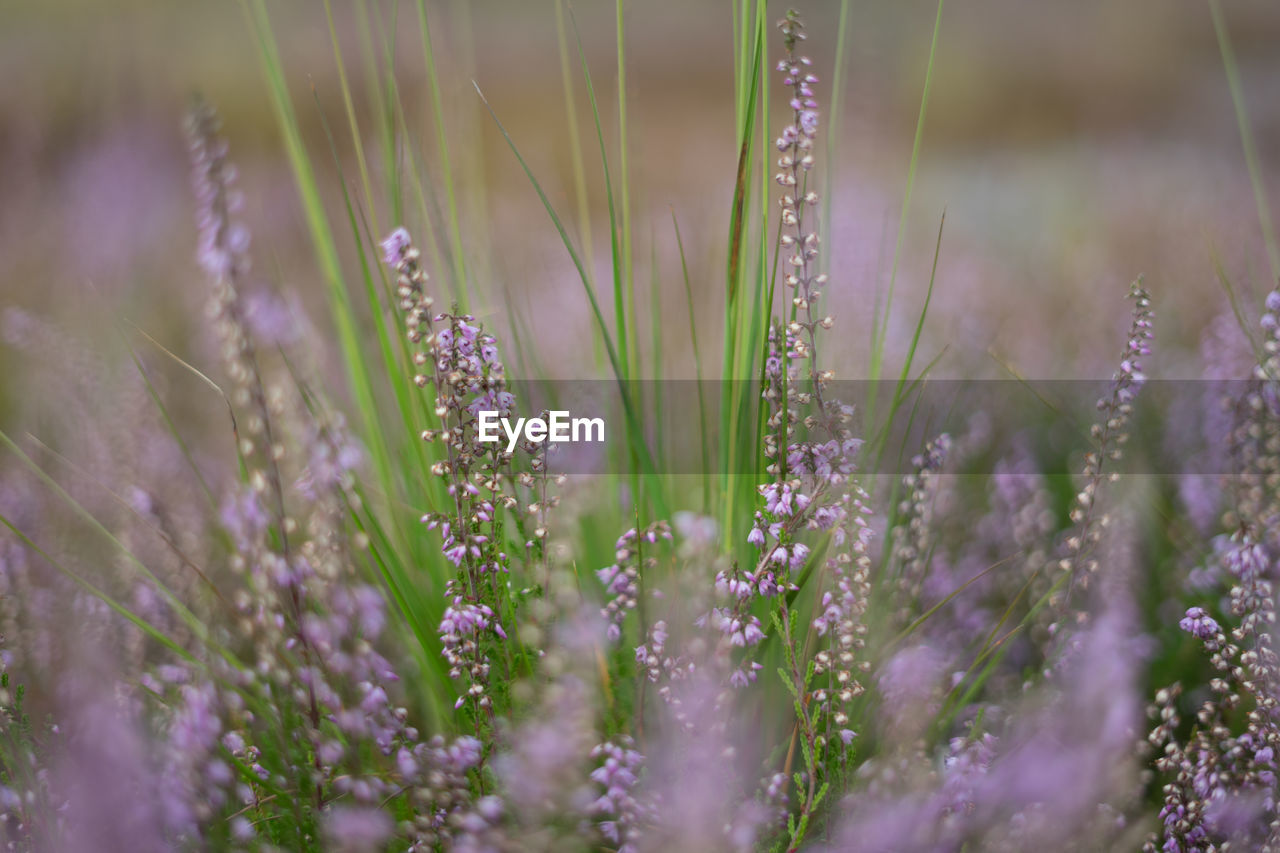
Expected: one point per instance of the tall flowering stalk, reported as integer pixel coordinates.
(461, 363)
(309, 626)
(799, 239)
(840, 623)
(810, 453)
(277, 575)
(1222, 782)
(223, 254)
(912, 534)
(622, 579)
(620, 766)
(1078, 562)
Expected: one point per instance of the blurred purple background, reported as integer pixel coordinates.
(1073, 146)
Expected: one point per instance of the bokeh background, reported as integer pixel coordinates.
(1072, 146)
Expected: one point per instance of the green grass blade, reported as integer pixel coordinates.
(738, 414)
(881, 324)
(192, 622)
(349, 106)
(1237, 308)
(838, 69)
(896, 401)
(703, 432)
(359, 376)
(575, 141)
(635, 435)
(128, 507)
(1246, 138)
(382, 97)
(395, 364)
(624, 201)
(170, 425)
(619, 300)
(446, 166)
(101, 594)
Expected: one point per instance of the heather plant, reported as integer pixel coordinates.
(25, 792)
(1221, 776)
(352, 622)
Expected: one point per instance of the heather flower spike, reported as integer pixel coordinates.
(621, 580)
(810, 461)
(1109, 434)
(1221, 781)
(460, 362)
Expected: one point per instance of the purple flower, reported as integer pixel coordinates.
(799, 553)
(456, 553)
(809, 122)
(1248, 561)
(1200, 624)
(393, 247)
(358, 829)
(223, 246)
(617, 775)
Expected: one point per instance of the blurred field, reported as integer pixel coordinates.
(1072, 147)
